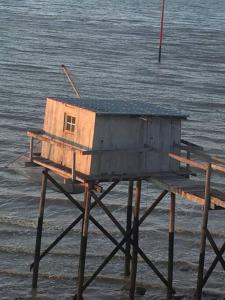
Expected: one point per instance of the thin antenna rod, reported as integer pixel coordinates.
(66, 71)
(161, 30)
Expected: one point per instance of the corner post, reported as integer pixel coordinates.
(135, 239)
(128, 227)
(83, 244)
(39, 229)
(171, 245)
(203, 233)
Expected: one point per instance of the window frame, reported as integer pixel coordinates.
(69, 125)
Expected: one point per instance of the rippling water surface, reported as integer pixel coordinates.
(111, 48)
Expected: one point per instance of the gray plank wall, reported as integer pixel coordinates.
(125, 132)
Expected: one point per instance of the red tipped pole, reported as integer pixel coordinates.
(161, 30)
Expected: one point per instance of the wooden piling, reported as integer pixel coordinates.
(171, 246)
(135, 239)
(128, 227)
(39, 230)
(83, 244)
(203, 234)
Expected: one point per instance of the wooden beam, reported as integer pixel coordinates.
(218, 168)
(53, 140)
(189, 161)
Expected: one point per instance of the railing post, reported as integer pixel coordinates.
(188, 166)
(203, 233)
(31, 148)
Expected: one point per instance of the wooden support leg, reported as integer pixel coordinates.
(203, 235)
(127, 236)
(171, 246)
(135, 239)
(83, 245)
(39, 230)
(128, 228)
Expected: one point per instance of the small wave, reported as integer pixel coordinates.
(15, 250)
(18, 222)
(215, 232)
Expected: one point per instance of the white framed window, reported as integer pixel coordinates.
(69, 123)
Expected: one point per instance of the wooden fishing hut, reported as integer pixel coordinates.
(102, 139)
(93, 141)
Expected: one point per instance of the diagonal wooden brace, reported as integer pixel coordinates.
(126, 237)
(213, 265)
(75, 222)
(215, 248)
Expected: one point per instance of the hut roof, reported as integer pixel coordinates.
(121, 107)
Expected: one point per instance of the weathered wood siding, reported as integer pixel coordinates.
(83, 136)
(112, 132)
(162, 134)
(116, 132)
(125, 132)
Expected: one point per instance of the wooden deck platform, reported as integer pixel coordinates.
(67, 173)
(188, 188)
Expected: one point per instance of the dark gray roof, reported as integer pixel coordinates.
(121, 107)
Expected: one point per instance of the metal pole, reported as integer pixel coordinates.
(203, 234)
(135, 239)
(171, 246)
(83, 244)
(161, 30)
(39, 229)
(128, 228)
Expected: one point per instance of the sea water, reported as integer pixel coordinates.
(111, 48)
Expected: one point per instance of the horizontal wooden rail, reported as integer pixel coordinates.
(218, 159)
(42, 136)
(218, 168)
(199, 151)
(52, 140)
(201, 166)
(190, 162)
(129, 150)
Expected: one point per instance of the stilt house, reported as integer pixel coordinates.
(100, 139)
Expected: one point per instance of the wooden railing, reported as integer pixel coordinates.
(203, 162)
(216, 163)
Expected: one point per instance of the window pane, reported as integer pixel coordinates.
(70, 123)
